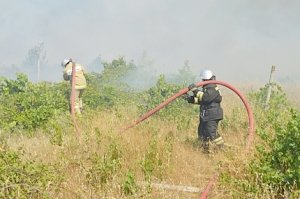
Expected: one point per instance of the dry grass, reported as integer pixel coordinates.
(185, 165)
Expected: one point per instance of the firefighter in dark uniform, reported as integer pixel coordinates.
(209, 98)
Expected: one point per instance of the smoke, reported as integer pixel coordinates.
(237, 40)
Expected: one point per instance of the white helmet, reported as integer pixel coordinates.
(66, 61)
(206, 75)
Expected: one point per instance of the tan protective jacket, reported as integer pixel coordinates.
(80, 81)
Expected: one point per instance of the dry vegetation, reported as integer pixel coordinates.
(172, 152)
(101, 161)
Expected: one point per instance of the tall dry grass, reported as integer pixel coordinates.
(176, 156)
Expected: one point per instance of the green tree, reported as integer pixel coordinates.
(115, 71)
(36, 58)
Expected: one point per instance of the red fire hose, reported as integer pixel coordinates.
(250, 137)
(73, 91)
(73, 82)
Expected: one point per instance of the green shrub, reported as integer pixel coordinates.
(151, 160)
(104, 168)
(14, 86)
(157, 94)
(106, 90)
(277, 109)
(25, 105)
(278, 163)
(25, 179)
(129, 186)
(28, 106)
(275, 171)
(157, 158)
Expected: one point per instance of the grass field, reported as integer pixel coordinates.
(155, 151)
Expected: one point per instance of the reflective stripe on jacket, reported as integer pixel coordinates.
(209, 99)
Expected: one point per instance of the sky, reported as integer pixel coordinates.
(237, 40)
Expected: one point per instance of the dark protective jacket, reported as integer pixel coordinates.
(209, 100)
(210, 104)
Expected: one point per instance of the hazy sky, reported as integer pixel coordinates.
(237, 39)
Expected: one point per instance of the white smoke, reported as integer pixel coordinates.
(238, 40)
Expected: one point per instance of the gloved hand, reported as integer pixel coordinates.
(188, 98)
(185, 96)
(192, 87)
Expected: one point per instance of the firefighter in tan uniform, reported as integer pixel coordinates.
(80, 82)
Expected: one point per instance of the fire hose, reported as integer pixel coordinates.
(250, 137)
(73, 82)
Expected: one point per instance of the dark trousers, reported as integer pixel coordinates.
(207, 131)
